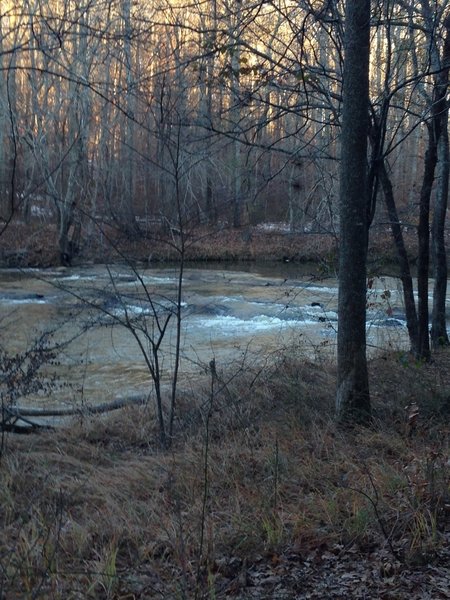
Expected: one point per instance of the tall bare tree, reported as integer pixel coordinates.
(353, 398)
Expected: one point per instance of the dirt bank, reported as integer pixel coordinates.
(35, 245)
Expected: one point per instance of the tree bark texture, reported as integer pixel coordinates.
(353, 398)
(439, 336)
(402, 257)
(423, 262)
(435, 128)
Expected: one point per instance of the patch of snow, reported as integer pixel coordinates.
(281, 227)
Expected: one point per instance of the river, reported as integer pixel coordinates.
(227, 313)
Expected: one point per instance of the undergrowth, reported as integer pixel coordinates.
(258, 469)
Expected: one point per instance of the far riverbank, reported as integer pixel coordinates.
(35, 245)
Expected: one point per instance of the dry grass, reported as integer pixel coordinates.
(98, 511)
(36, 245)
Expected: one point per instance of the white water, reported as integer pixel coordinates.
(225, 314)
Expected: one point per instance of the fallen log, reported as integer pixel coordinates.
(83, 409)
(17, 418)
(22, 425)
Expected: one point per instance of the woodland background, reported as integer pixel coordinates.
(171, 129)
(156, 114)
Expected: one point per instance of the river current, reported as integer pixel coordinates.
(231, 315)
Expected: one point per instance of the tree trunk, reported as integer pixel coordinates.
(126, 200)
(423, 263)
(439, 336)
(235, 89)
(206, 115)
(439, 114)
(3, 134)
(65, 250)
(403, 261)
(353, 398)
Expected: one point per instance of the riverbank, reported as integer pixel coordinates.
(35, 245)
(261, 495)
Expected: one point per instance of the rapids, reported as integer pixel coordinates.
(230, 314)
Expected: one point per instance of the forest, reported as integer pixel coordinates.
(218, 113)
(139, 137)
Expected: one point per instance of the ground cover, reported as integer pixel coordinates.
(260, 495)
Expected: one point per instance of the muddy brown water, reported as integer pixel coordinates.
(230, 314)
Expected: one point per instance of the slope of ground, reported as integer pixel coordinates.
(260, 496)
